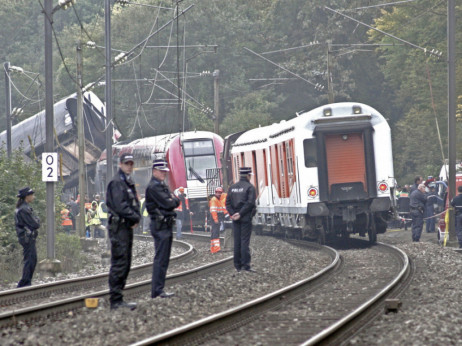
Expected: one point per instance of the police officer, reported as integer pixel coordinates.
(161, 203)
(457, 204)
(124, 216)
(27, 224)
(417, 206)
(240, 204)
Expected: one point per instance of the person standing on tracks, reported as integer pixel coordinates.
(417, 204)
(457, 204)
(217, 211)
(27, 224)
(182, 211)
(240, 204)
(124, 216)
(161, 204)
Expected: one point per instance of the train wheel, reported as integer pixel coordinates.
(372, 235)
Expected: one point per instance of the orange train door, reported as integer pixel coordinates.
(345, 158)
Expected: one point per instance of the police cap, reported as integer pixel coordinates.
(127, 157)
(160, 165)
(245, 170)
(26, 191)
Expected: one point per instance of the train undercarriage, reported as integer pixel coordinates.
(324, 229)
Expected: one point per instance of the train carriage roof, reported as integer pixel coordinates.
(309, 120)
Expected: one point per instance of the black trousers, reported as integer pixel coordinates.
(163, 238)
(121, 260)
(215, 234)
(30, 260)
(459, 228)
(417, 224)
(242, 232)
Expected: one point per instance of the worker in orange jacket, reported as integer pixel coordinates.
(217, 211)
(66, 220)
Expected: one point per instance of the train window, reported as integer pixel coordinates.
(309, 148)
(200, 147)
(196, 166)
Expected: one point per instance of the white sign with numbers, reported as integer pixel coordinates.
(50, 167)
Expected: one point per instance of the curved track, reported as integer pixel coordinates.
(319, 309)
(36, 311)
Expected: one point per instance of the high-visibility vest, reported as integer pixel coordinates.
(88, 206)
(223, 202)
(145, 211)
(180, 207)
(102, 214)
(215, 245)
(216, 207)
(66, 221)
(94, 218)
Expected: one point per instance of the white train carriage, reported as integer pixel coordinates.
(326, 172)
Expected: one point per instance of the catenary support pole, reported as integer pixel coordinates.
(6, 66)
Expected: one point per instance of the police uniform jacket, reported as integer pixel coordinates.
(158, 196)
(24, 217)
(417, 200)
(457, 203)
(121, 199)
(241, 199)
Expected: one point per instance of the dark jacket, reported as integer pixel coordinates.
(158, 196)
(417, 200)
(121, 199)
(457, 204)
(24, 217)
(241, 199)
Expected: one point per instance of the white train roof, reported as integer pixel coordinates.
(308, 120)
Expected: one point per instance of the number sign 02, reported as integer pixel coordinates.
(50, 167)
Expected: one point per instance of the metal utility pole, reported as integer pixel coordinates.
(216, 101)
(330, 88)
(49, 125)
(108, 90)
(6, 66)
(81, 141)
(179, 118)
(452, 112)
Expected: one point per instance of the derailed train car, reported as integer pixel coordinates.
(326, 173)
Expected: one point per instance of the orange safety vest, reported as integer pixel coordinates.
(66, 221)
(180, 207)
(223, 202)
(215, 245)
(88, 205)
(216, 207)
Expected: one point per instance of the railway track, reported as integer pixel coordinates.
(324, 308)
(31, 312)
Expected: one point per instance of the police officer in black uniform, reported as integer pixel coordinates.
(240, 204)
(124, 216)
(27, 224)
(457, 204)
(417, 204)
(160, 203)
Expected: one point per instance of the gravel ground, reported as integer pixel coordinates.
(430, 312)
(276, 262)
(143, 252)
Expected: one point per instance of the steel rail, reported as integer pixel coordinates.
(373, 302)
(195, 331)
(13, 296)
(49, 310)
